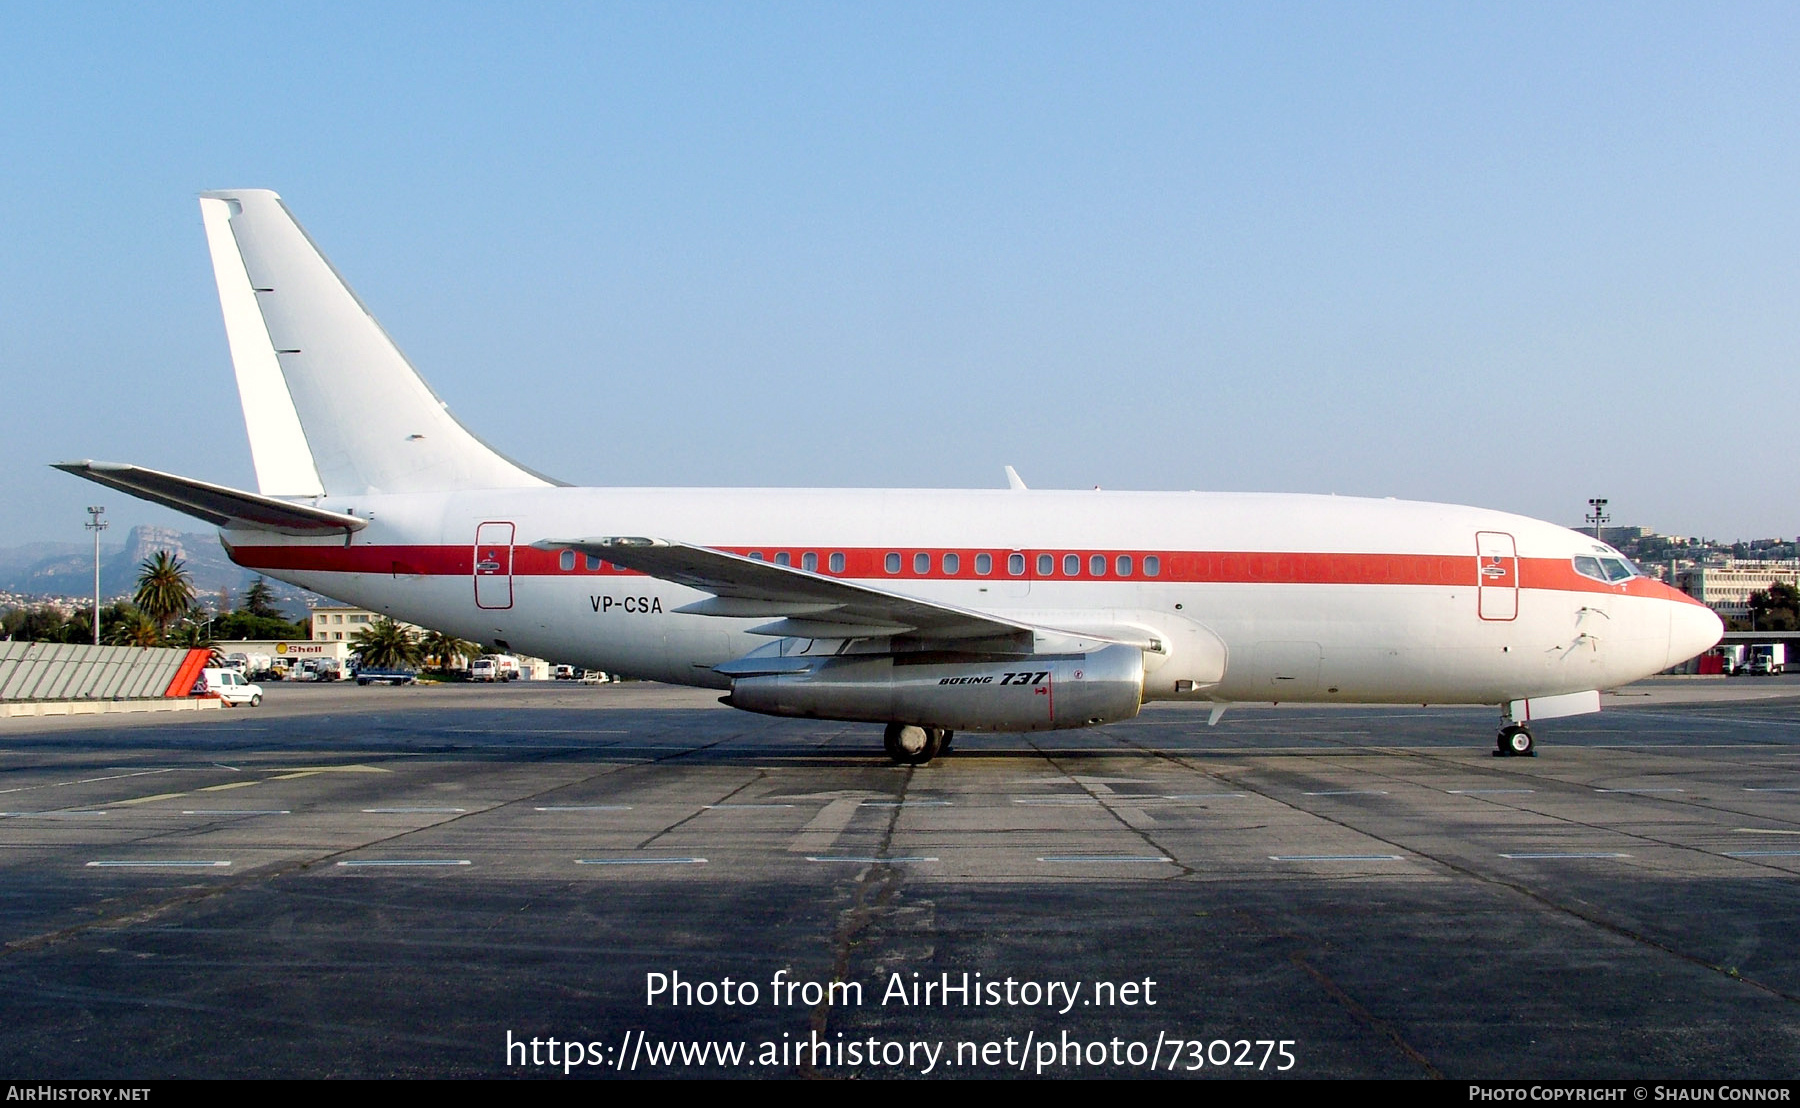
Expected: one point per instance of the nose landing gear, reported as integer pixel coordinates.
(911, 745)
(1515, 741)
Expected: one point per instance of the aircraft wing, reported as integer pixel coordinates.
(219, 505)
(808, 605)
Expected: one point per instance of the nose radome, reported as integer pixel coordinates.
(1693, 629)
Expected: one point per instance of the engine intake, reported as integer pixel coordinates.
(1042, 692)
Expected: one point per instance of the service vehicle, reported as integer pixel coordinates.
(230, 686)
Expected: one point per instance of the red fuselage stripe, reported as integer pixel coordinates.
(1186, 567)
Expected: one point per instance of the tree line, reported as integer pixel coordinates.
(164, 610)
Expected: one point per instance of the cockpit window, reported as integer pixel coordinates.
(1610, 570)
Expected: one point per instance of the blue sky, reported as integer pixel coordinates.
(1510, 255)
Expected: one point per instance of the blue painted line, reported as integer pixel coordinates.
(1081, 858)
(640, 861)
(407, 862)
(161, 865)
(1571, 854)
(1336, 858)
(871, 860)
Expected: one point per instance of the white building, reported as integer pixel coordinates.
(1725, 587)
(340, 622)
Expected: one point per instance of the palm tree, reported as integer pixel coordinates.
(447, 650)
(385, 644)
(164, 588)
(137, 629)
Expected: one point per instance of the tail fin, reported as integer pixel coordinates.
(330, 403)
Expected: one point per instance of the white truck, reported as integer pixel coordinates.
(1767, 659)
(494, 667)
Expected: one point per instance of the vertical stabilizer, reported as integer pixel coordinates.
(330, 403)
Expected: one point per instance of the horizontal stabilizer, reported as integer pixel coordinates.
(216, 504)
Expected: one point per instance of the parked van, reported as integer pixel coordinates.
(229, 686)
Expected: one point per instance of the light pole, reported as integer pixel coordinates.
(96, 525)
(1598, 516)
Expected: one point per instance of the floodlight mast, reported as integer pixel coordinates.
(96, 525)
(1598, 516)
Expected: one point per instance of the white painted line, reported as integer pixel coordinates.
(1569, 854)
(236, 812)
(393, 811)
(1640, 790)
(406, 862)
(1083, 858)
(162, 865)
(1054, 800)
(747, 805)
(1762, 854)
(906, 803)
(1336, 858)
(871, 860)
(1753, 789)
(640, 861)
(584, 808)
(1350, 792)
(1203, 796)
(1762, 831)
(1486, 792)
(55, 815)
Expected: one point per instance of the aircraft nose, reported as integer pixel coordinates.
(1693, 628)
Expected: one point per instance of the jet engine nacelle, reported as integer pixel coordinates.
(1043, 692)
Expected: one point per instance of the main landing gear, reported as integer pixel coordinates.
(1515, 741)
(911, 745)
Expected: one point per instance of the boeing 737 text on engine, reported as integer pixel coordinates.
(926, 611)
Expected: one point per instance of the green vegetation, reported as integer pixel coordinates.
(1776, 608)
(257, 617)
(385, 644)
(447, 652)
(165, 591)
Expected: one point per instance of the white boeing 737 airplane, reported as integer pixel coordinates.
(927, 611)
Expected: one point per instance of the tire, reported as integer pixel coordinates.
(256, 701)
(1516, 742)
(912, 745)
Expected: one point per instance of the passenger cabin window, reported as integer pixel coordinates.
(952, 564)
(892, 562)
(1097, 565)
(1015, 564)
(1071, 565)
(984, 564)
(809, 562)
(921, 563)
(1122, 565)
(1046, 565)
(593, 564)
(757, 555)
(837, 563)
(567, 560)
(1152, 566)
(781, 559)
